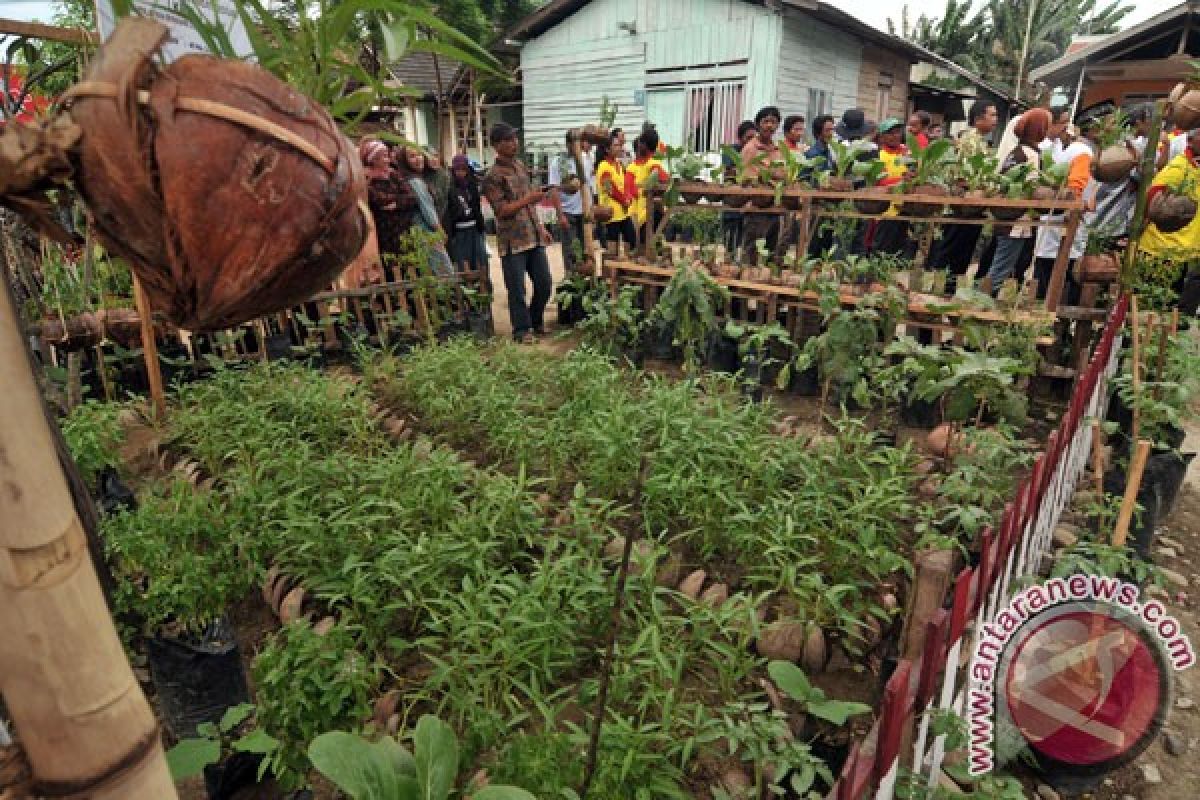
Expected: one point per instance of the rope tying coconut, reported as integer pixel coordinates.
(219, 110)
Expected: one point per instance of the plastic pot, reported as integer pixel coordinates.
(197, 677)
(722, 355)
(660, 344)
(481, 324)
(805, 383)
(278, 346)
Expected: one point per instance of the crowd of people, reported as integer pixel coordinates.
(409, 189)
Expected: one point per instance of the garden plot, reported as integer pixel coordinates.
(467, 569)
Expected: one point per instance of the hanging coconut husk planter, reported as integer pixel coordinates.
(294, 183)
(913, 209)
(1097, 268)
(1185, 104)
(1114, 163)
(1171, 212)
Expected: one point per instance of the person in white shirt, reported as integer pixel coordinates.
(564, 175)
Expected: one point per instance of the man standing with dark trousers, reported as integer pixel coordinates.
(520, 234)
(954, 251)
(571, 188)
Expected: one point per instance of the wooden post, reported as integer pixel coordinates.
(150, 350)
(81, 717)
(1098, 459)
(1132, 484)
(934, 571)
(1059, 276)
(589, 244)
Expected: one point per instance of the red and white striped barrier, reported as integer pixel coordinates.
(1012, 552)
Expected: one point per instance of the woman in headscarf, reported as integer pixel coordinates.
(410, 165)
(390, 199)
(437, 178)
(1014, 245)
(463, 219)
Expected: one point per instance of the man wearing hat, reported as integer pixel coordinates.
(854, 126)
(520, 234)
(891, 235)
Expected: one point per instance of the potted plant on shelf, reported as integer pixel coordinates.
(689, 168)
(1099, 263)
(869, 172)
(742, 172)
(977, 178)
(1052, 180)
(760, 272)
(927, 175)
(1015, 183)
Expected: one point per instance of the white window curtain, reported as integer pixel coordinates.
(714, 111)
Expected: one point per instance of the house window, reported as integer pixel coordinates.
(883, 100)
(820, 101)
(713, 113)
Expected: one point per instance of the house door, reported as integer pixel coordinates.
(666, 109)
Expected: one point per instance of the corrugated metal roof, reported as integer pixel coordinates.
(417, 71)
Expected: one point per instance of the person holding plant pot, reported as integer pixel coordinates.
(463, 220)
(610, 184)
(1182, 246)
(520, 234)
(1014, 244)
(646, 171)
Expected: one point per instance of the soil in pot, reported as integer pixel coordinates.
(197, 677)
(1171, 212)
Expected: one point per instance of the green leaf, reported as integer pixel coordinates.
(836, 711)
(234, 716)
(364, 770)
(256, 742)
(208, 730)
(189, 758)
(790, 679)
(436, 753)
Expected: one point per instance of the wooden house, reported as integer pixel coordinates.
(696, 68)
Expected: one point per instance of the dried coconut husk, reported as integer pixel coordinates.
(913, 209)
(231, 194)
(1171, 212)
(1185, 106)
(1114, 163)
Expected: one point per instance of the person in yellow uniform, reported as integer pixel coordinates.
(891, 235)
(610, 186)
(1182, 246)
(645, 170)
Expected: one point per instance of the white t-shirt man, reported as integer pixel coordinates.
(562, 167)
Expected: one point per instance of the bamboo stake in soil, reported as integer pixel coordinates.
(1133, 483)
(150, 350)
(81, 716)
(1134, 368)
(1098, 459)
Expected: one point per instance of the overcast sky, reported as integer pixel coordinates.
(875, 13)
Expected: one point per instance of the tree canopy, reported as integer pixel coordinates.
(990, 39)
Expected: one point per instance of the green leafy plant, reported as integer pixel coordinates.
(761, 737)
(189, 757)
(308, 683)
(928, 165)
(690, 304)
(792, 681)
(93, 435)
(383, 770)
(333, 51)
(614, 325)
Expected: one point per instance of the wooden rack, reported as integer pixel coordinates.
(805, 207)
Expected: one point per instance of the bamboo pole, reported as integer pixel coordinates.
(81, 717)
(1098, 459)
(1134, 370)
(1133, 483)
(1146, 170)
(150, 350)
